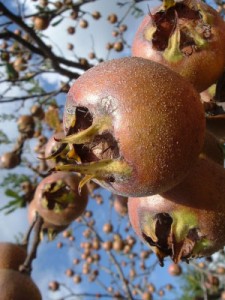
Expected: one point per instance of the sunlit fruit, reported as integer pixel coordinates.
(20, 64)
(136, 134)
(120, 204)
(10, 160)
(26, 125)
(174, 269)
(17, 286)
(112, 18)
(96, 15)
(58, 200)
(53, 286)
(11, 255)
(187, 36)
(37, 111)
(47, 227)
(41, 22)
(187, 221)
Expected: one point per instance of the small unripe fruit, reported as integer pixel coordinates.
(69, 272)
(108, 227)
(96, 15)
(26, 125)
(37, 111)
(41, 22)
(112, 18)
(53, 286)
(118, 46)
(74, 15)
(83, 23)
(146, 296)
(71, 30)
(174, 270)
(9, 160)
(20, 64)
(77, 279)
(107, 245)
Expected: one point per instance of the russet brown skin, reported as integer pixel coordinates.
(17, 286)
(46, 226)
(51, 146)
(72, 210)
(11, 256)
(157, 121)
(203, 67)
(202, 193)
(41, 22)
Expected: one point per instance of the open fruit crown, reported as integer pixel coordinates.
(187, 221)
(135, 136)
(187, 36)
(176, 235)
(177, 36)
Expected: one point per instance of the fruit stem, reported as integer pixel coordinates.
(26, 238)
(26, 267)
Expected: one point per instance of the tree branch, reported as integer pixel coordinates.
(45, 50)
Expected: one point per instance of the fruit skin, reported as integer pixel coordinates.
(158, 131)
(51, 146)
(197, 209)
(72, 210)
(26, 125)
(11, 256)
(46, 226)
(41, 22)
(120, 204)
(17, 286)
(174, 270)
(9, 160)
(204, 66)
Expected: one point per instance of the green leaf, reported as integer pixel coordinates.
(7, 117)
(11, 72)
(57, 22)
(14, 180)
(11, 193)
(3, 138)
(11, 206)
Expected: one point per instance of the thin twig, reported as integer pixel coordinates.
(26, 267)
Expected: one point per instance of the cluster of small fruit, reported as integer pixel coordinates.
(26, 129)
(42, 21)
(137, 127)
